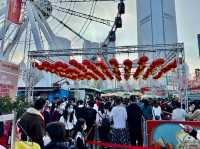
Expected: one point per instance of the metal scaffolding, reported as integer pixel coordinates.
(172, 51)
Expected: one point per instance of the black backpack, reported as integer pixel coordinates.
(105, 121)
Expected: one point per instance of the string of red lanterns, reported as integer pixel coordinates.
(104, 69)
(141, 66)
(88, 70)
(154, 65)
(93, 68)
(165, 69)
(115, 68)
(127, 69)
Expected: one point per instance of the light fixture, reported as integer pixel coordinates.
(121, 7)
(118, 22)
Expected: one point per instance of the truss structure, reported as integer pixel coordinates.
(174, 51)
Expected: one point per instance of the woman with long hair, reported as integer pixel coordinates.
(69, 119)
(79, 133)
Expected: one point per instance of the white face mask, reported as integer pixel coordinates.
(85, 127)
(70, 110)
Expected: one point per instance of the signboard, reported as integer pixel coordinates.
(8, 79)
(197, 74)
(174, 136)
(14, 10)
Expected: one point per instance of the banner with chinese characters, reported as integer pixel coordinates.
(8, 79)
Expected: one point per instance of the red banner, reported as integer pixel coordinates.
(8, 79)
(14, 10)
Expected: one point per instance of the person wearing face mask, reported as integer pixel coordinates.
(57, 112)
(69, 119)
(32, 123)
(79, 134)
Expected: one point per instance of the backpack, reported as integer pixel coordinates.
(105, 121)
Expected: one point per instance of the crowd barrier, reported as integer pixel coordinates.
(123, 146)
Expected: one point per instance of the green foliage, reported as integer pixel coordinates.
(19, 105)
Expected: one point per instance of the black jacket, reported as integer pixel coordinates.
(81, 112)
(134, 114)
(59, 145)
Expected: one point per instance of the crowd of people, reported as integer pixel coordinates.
(68, 124)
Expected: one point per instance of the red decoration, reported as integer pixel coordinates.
(105, 69)
(142, 60)
(93, 68)
(115, 68)
(78, 65)
(141, 66)
(165, 69)
(156, 63)
(127, 69)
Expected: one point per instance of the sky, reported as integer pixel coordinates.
(188, 25)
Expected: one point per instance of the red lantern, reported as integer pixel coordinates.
(127, 69)
(105, 69)
(59, 65)
(93, 68)
(35, 64)
(142, 60)
(156, 63)
(113, 61)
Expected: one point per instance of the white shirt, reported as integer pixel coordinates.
(119, 116)
(178, 114)
(157, 111)
(95, 107)
(69, 125)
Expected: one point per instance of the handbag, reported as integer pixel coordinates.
(26, 144)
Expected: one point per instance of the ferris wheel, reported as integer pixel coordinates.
(55, 24)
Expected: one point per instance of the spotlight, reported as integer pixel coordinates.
(121, 7)
(118, 22)
(112, 36)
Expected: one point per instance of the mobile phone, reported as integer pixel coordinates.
(182, 126)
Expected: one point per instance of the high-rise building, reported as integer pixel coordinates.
(156, 24)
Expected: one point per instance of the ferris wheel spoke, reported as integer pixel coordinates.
(16, 38)
(83, 15)
(34, 27)
(59, 21)
(43, 25)
(3, 11)
(69, 28)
